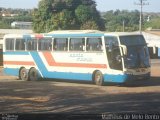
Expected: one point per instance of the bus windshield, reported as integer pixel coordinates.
(137, 51)
(132, 40)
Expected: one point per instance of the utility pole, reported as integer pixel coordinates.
(123, 25)
(141, 4)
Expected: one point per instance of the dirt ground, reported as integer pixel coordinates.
(18, 96)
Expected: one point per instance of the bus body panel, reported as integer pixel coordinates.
(59, 72)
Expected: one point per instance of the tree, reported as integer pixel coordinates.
(153, 23)
(66, 14)
(89, 25)
(114, 20)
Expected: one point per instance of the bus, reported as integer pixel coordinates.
(87, 55)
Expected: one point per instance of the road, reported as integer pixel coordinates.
(18, 96)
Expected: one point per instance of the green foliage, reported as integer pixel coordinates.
(63, 21)
(83, 13)
(22, 15)
(114, 20)
(66, 14)
(4, 25)
(89, 25)
(153, 23)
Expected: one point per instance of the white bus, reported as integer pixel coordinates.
(77, 55)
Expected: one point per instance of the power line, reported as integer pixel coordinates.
(141, 4)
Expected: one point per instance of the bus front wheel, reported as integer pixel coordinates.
(33, 74)
(98, 78)
(23, 74)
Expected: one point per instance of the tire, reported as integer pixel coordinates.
(23, 74)
(98, 78)
(33, 74)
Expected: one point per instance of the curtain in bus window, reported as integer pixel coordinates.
(20, 44)
(45, 44)
(77, 44)
(9, 44)
(94, 44)
(60, 44)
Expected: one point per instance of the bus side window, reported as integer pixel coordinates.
(9, 43)
(20, 44)
(94, 44)
(77, 44)
(32, 44)
(60, 44)
(45, 44)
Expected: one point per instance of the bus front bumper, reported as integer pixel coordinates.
(131, 77)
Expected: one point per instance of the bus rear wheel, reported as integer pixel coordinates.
(98, 78)
(33, 74)
(23, 74)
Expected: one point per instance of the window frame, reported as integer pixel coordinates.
(46, 39)
(13, 44)
(21, 39)
(83, 44)
(100, 49)
(65, 47)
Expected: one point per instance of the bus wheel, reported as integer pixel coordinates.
(33, 74)
(23, 74)
(98, 78)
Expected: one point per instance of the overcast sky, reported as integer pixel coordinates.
(102, 5)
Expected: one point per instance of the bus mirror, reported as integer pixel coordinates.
(124, 48)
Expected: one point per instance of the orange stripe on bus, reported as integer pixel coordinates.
(51, 62)
(18, 63)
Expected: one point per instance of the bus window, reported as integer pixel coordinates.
(45, 44)
(32, 44)
(60, 44)
(77, 44)
(9, 43)
(20, 44)
(94, 44)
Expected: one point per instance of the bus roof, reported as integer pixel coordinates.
(122, 33)
(75, 33)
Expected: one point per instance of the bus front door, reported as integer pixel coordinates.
(114, 58)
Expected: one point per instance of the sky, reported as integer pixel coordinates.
(102, 5)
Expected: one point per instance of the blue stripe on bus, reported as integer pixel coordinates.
(15, 53)
(11, 71)
(27, 37)
(71, 76)
(115, 78)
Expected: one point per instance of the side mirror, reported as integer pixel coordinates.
(124, 48)
(154, 50)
